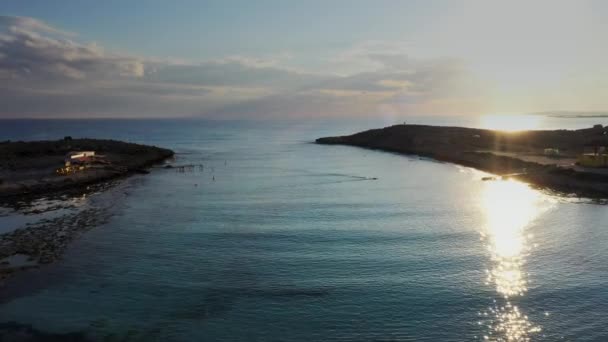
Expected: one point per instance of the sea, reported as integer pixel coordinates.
(270, 237)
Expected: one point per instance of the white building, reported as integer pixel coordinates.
(78, 157)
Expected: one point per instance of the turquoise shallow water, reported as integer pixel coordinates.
(278, 239)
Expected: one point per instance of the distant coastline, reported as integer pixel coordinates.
(577, 116)
(573, 114)
(519, 155)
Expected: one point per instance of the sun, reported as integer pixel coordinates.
(510, 122)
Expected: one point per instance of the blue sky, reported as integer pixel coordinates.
(305, 58)
(211, 29)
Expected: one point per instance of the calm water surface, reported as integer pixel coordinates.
(278, 239)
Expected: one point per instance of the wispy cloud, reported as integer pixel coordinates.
(45, 71)
(32, 24)
(27, 53)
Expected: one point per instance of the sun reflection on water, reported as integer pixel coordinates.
(508, 208)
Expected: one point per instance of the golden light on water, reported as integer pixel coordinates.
(511, 325)
(510, 122)
(508, 208)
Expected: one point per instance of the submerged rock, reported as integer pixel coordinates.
(45, 241)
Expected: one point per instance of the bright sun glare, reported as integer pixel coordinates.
(509, 207)
(510, 122)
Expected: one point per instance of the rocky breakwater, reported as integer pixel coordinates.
(518, 155)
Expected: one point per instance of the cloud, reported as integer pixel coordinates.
(45, 71)
(232, 72)
(31, 24)
(397, 84)
(29, 54)
(99, 101)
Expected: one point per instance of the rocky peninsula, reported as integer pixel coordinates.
(30, 168)
(58, 171)
(546, 159)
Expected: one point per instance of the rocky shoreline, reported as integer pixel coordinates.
(28, 168)
(485, 150)
(45, 241)
(50, 223)
(28, 177)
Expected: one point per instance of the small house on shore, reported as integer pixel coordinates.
(78, 157)
(77, 161)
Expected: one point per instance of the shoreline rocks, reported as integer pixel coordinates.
(28, 177)
(44, 241)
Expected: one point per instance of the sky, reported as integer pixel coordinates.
(287, 59)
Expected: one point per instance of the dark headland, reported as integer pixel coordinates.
(547, 159)
(28, 168)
